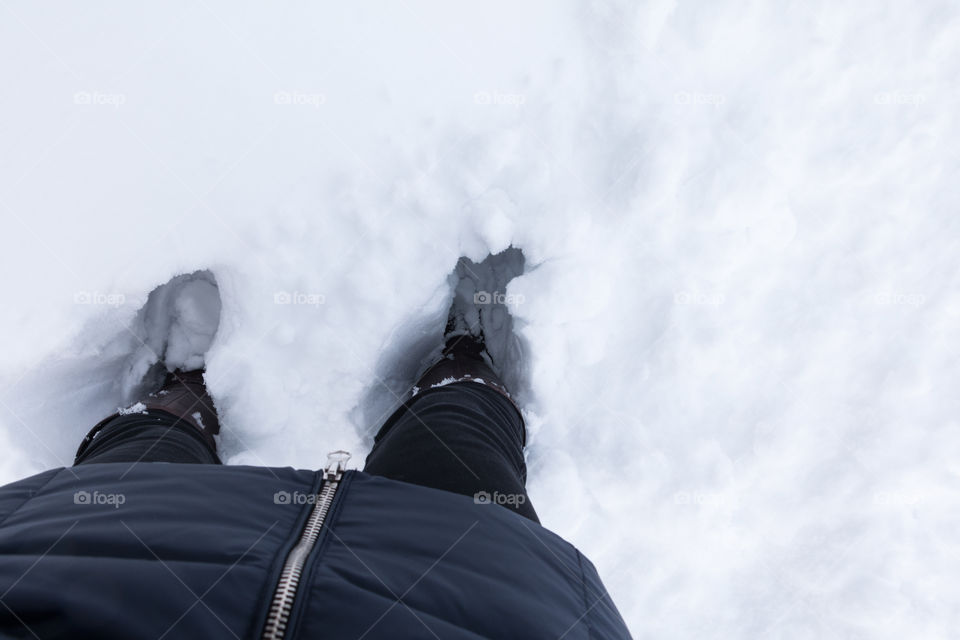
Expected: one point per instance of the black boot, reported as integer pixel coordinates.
(184, 396)
(464, 358)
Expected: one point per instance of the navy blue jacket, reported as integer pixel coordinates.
(156, 550)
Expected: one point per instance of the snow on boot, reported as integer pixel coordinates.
(184, 395)
(464, 356)
(174, 329)
(479, 311)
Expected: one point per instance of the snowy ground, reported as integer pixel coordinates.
(741, 231)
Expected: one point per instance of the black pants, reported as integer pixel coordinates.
(463, 437)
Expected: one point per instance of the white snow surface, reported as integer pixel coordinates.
(741, 296)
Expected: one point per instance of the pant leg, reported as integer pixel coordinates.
(462, 437)
(154, 436)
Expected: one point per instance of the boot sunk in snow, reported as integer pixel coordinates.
(464, 357)
(173, 332)
(184, 396)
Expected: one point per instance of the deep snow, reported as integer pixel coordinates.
(740, 297)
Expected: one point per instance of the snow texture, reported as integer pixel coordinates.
(740, 290)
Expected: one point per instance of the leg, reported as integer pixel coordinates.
(155, 436)
(458, 435)
(176, 425)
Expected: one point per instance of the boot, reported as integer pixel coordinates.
(184, 396)
(464, 358)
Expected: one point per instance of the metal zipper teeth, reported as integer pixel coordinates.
(286, 591)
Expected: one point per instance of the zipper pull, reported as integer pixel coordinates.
(336, 465)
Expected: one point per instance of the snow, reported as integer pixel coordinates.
(173, 330)
(740, 300)
(447, 381)
(137, 407)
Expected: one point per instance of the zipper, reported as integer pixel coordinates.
(286, 592)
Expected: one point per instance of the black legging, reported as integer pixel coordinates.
(462, 437)
(152, 436)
